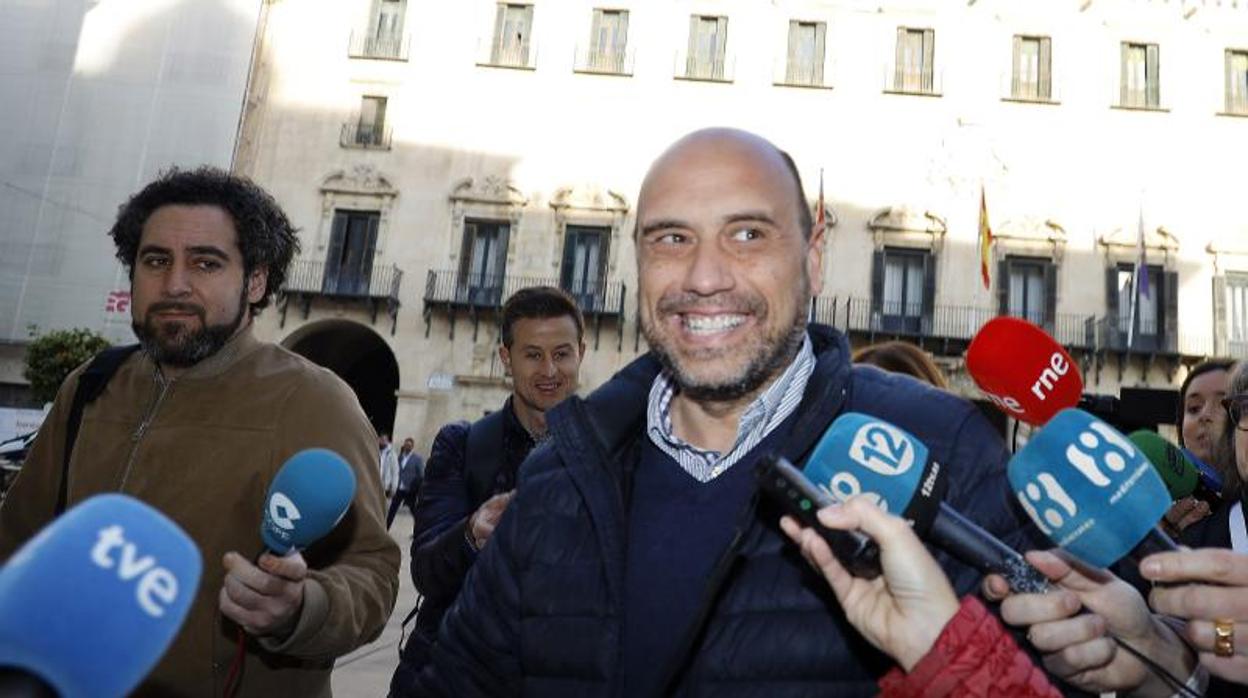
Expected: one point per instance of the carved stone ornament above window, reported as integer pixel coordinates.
(361, 179)
(1030, 235)
(490, 189)
(1121, 243)
(1231, 255)
(588, 198)
(360, 188)
(901, 225)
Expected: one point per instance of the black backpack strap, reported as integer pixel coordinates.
(90, 384)
(483, 456)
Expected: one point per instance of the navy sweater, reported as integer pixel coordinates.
(678, 529)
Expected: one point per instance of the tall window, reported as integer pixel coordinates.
(1027, 290)
(708, 43)
(1237, 81)
(349, 261)
(608, 41)
(806, 52)
(584, 265)
(1237, 314)
(513, 25)
(1150, 322)
(368, 130)
(383, 37)
(389, 25)
(916, 56)
(483, 262)
(902, 288)
(1032, 76)
(1141, 75)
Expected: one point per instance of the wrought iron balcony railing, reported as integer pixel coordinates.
(718, 68)
(378, 47)
(486, 292)
(493, 53)
(362, 134)
(307, 279)
(942, 322)
(604, 60)
(960, 323)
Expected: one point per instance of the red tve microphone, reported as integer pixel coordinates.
(1022, 370)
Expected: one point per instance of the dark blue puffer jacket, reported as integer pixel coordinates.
(540, 613)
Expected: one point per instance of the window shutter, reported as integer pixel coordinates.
(721, 48)
(370, 249)
(466, 262)
(899, 66)
(566, 271)
(1111, 305)
(1122, 74)
(1018, 66)
(500, 29)
(333, 257)
(1046, 67)
(1228, 83)
(596, 30)
(1170, 286)
(1219, 316)
(1050, 297)
(620, 40)
(820, 33)
(1003, 287)
(1152, 74)
(877, 284)
(500, 252)
(929, 292)
(793, 70)
(929, 60)
(526, 33)
(691, 58)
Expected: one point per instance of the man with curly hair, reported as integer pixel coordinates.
(197, 422)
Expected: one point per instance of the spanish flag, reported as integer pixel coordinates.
(985, 238)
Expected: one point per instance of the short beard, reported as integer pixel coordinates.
(760, 368)
(182, 348)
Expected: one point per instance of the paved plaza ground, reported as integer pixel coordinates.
(366, 672)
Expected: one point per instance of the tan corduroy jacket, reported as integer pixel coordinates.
(203, 449)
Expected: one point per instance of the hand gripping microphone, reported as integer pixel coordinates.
(863, 455)
(90, 604)
(1023, 370)
(1090, 490)
(306, 499)
(1181, 476)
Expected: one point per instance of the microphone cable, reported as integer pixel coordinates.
(1178, 685)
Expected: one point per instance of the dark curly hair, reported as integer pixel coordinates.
(266, 237)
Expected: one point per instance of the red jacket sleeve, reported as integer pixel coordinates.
(973, 656)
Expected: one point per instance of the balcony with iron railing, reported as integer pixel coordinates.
(363, 134)
(921, 81)
(518, 55)
(382, 47)
(952, 323)
(604, 60)
(717, 68)
(307, 280)
(454, 291)
(948, 330)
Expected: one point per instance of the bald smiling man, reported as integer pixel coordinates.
(637, 558)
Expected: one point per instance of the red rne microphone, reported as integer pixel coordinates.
(1022, 370)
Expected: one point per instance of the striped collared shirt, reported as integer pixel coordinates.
(764, 414)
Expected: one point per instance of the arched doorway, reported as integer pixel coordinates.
(360, 358)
